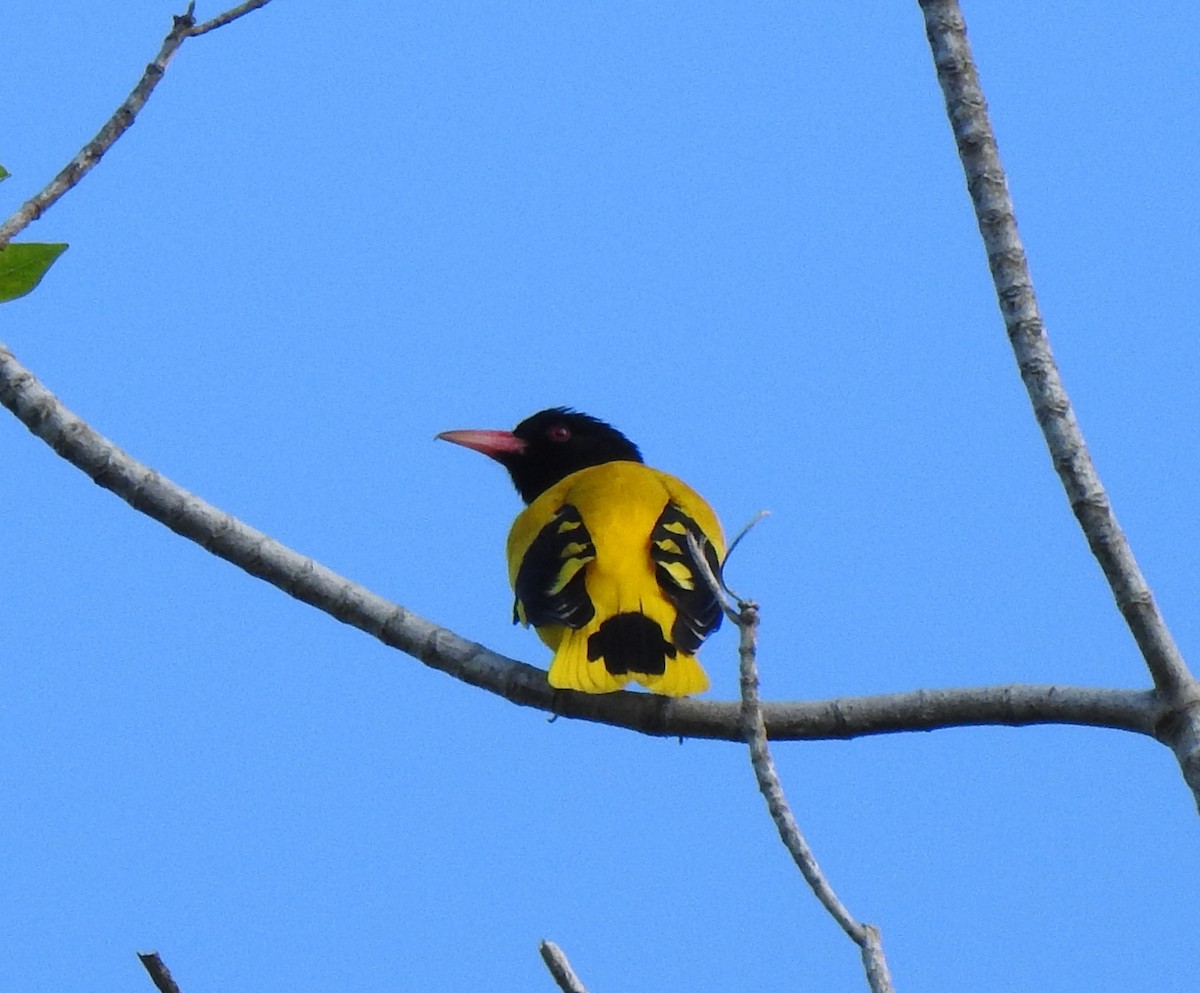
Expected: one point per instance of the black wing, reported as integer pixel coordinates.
(550, 582)
(697, 612)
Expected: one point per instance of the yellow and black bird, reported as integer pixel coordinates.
(599, 560)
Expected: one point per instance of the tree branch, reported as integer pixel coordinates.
(254, 552)
(988, 187)
(560, 968)
(230, 15)
(160, 975)
(744, 613)
(183, 27)
(754, 730)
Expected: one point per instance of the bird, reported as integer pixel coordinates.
(599, 560)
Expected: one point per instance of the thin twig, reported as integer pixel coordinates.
(988, 187)
(254, 552)
(754, 733)
(742, 534)
(159, 973)
(754, 730)
(183, 27)
(230, 15)
(560, 968)
(866, 936)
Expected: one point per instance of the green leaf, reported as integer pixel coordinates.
(4, 173)
(23, 265)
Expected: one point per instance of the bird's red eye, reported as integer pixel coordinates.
(559, 432)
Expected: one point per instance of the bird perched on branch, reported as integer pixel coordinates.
(600, 560)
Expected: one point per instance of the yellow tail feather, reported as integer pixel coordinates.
(571, 670)
(684, 677)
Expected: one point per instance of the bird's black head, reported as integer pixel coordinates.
(548, 447)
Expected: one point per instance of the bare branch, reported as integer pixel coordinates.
(874, 963)
(254, 552)
(986, 182)
(183, 27)
(746, 529)
(300, 577)
(754, 730)
(230, 15)
(159, 973)
(560, 968)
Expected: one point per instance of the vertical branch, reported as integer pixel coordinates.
(744, 613)
(988, 187)
(754, 729)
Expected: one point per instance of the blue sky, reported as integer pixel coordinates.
(740, 233)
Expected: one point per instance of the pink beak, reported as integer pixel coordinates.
(490, 443)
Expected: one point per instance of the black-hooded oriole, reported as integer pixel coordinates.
(599, 560)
